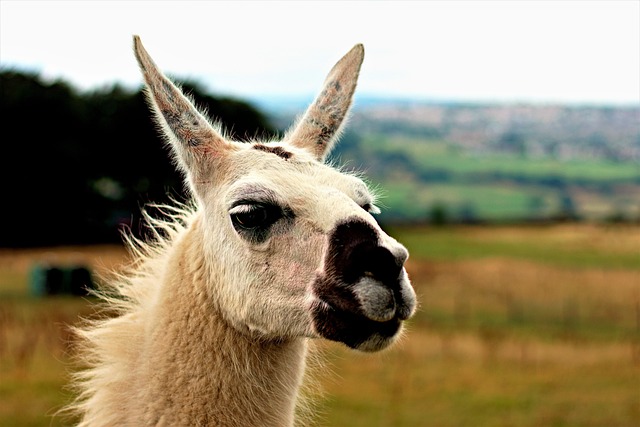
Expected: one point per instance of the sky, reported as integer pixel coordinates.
(576, 52)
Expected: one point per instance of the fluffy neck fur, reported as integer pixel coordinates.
(171, 358)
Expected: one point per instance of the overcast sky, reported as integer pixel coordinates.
(540, 51)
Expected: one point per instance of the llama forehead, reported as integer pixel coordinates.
(264, 155)
(244, 158)
(276, 179)
(278, 150)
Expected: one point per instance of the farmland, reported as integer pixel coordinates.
(517, 326)
(417, 173)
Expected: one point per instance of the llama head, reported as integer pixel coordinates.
(290, 244)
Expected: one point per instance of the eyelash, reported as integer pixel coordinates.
(254, 215)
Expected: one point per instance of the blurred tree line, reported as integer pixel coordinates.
(77, 167)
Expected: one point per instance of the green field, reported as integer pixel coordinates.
(489, 202)
(517, 326)
(437, 154)
(416, 174)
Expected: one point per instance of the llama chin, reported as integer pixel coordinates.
(276, 248)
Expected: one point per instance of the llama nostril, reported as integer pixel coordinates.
(359, 251)
(377, 263)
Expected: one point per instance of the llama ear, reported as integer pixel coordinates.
(320, 126)
(191, 135)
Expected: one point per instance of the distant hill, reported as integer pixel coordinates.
(500, 162)
(478, 163)
(533, 131)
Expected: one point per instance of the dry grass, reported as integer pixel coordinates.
(464, 380)
(35, 339)
(615, 239)
(591, 301)
(35, 347)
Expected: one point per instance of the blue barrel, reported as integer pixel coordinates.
(48, 280)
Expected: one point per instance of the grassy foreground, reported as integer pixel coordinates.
(518, 326)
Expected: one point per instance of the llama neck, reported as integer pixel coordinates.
(196, 369)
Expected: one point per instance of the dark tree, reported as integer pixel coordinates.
(79, 166)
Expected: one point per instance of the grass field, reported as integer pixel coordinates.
(517, 326)
(438, 154)
(418, 174)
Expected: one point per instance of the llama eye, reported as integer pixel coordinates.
(254, 216)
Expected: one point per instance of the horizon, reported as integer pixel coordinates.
(288, 102)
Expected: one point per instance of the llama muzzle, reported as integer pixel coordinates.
(365, 292)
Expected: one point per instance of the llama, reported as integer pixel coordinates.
(213, 320)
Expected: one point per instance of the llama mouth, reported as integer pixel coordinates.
(376, 300)
(382, 301)
(367, 297)
(353, 329)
